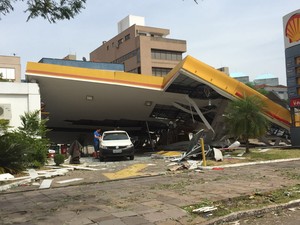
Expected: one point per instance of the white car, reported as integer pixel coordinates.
(116, 143)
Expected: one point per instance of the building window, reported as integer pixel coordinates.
(160, 72)
(120, 41)
(7, 73)
(127, 37)
(142, 34)
(166, 55)
(126, 56)
(298, 71)
(297, 60)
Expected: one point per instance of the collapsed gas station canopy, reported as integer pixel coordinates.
(79, 98)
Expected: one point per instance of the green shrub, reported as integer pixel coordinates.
(4, 125)
(12, 153)
(59, 159)
(37, 150)
(24, 147)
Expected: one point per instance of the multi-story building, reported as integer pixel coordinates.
(279, 90)
(16, 98)
(291, 26)
(267, 79)
(142, 49)
(243, 79)
(10, 68)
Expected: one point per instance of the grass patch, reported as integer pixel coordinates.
(273, 154)
(291, 175)
(255, 201)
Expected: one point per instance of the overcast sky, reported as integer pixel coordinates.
(246, 36)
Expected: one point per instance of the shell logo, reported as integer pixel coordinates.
(292, 28)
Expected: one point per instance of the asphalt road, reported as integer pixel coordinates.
(152, 195)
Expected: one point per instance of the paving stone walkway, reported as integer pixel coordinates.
(150, 200)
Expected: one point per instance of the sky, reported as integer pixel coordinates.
(246, 36)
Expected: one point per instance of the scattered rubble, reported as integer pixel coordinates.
(41, 177)
(218, 154)
(46, 183)
(167, 155)
(14, 184)
(205, 209)
(68, 181)
(82, 167)
(190, 160)
(6, 176)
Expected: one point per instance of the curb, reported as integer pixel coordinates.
(84, 183)
(253, 212)
(248, 164)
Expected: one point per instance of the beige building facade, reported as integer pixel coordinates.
(16, 97)
(142, 49)
(10, 68)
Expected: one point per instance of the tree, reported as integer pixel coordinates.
(32, 125)
(4, 125)
(34, 131)
(52, 10)
(244, 119)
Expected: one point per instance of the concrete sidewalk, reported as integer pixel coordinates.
(145, 200)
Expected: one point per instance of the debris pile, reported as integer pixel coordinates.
(41, 178)
(32, 177)
(75, 151)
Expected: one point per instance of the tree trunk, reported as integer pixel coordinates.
(247, 146)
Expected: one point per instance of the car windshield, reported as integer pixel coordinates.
(115, 136)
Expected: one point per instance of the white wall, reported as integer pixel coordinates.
(128, 21)
(23, 97)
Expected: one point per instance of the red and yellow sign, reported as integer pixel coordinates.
(292, 28)
(295, 102)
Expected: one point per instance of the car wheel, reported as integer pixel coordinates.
(101, 159)
(131, 157)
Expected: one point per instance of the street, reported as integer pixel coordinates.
(153, 196)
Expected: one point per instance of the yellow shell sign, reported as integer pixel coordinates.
(292, 28)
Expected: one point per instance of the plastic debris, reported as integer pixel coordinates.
(205, 209)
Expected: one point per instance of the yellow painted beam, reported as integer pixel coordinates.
(93, 75)
(237, 90)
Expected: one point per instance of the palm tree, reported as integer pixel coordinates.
(244, 119)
